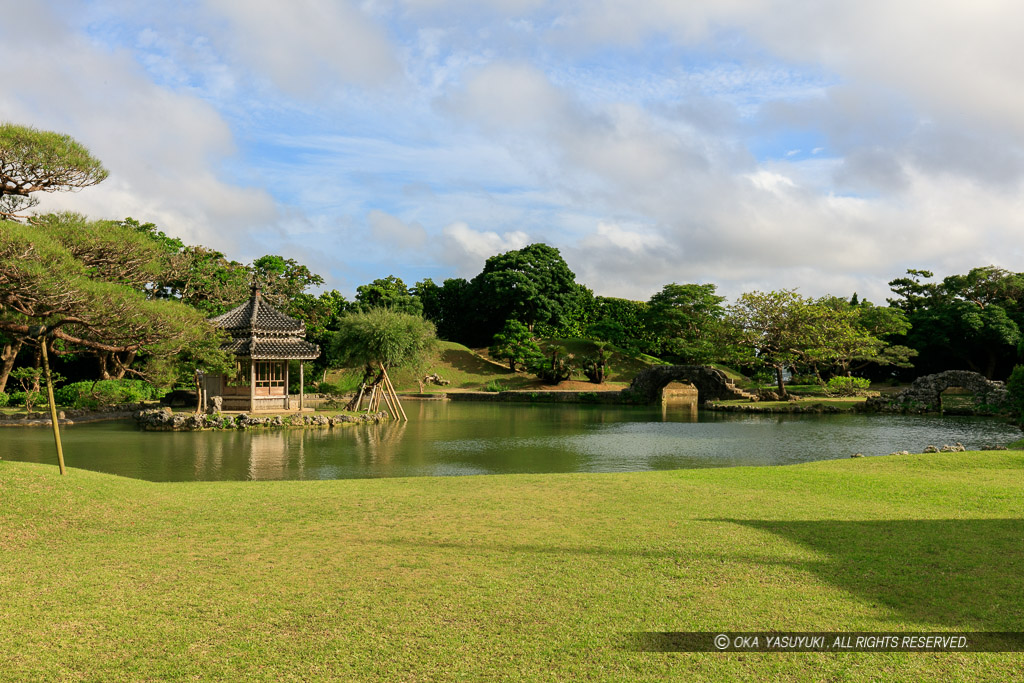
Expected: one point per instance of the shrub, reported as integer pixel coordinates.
(329, 388)
(495, 386)
(556, 369)
(595, 367)
(4, 399)
(1015, 390)
(108, 392)
(16, 398)
(848, 386)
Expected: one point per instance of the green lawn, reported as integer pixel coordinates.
(466, 369)
(532, 577)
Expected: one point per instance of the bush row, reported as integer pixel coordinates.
(106, 392)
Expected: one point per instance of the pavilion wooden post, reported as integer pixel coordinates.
(287, 379)
(252, 385)
(53, 406)
(302, 385)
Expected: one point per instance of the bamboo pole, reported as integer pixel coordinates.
(391, 400)
(393, 392)
(374, 399)
(53, 406)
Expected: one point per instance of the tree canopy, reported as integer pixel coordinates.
(970, 321)
(389, 292)
(41, 161)
(382, 336)
(532, 285)
(61, 273)
(685, 319)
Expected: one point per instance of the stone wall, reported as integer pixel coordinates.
(924, 395)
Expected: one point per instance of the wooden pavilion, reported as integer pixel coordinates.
(263, 340)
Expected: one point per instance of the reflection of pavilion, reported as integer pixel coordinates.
(263, 341)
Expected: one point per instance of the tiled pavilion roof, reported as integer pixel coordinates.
(261, 332)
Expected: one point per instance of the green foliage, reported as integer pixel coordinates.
(389, 292)
(103, 393)
(49, 276)
(322, 314)
(380, 335)
(556, 369)
(1015, 390)
(970, 321)
(516, 345)
(532, 285)
(622, 322)
(494, 386)
(595, 366)
(41, 161)
(685, 319)
(5, 399)
(848, 386)
(32, 382)
(452, 307)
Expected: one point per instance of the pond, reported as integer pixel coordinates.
(457, 438)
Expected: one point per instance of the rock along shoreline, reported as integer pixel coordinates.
(163, 420)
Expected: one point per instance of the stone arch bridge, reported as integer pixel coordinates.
(712, 384)
(925, 393)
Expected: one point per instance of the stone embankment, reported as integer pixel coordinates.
(70, 416)
(793, 408)
(163, 420)
(546, 396)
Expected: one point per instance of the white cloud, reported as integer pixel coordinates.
(306, 45)
(161, 147)
(467, 249)
(648, 119)
(395, 234)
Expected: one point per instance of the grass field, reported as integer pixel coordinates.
(532, 577)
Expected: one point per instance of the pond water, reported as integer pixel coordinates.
(456, 438)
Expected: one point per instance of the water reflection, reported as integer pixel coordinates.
(443, 438)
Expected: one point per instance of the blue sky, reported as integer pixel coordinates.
(751, 144)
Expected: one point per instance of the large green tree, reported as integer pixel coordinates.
(452, 306)
(777, 329)
(622, 322)
(866, 338)
(686, 319)
(533, 285)
(970, 321)
(282, 279)
(33, 161)
(389, 292)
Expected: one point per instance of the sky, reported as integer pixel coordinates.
(826, 146)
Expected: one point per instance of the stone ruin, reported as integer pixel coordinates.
(924, 395)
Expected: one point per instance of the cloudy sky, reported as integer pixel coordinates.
(827, 146)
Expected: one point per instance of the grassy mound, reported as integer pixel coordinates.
(532, 577)
(469, 369)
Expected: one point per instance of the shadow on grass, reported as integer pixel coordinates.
(471, 364)
(959, 573)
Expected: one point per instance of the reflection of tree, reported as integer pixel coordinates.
(379, 443)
